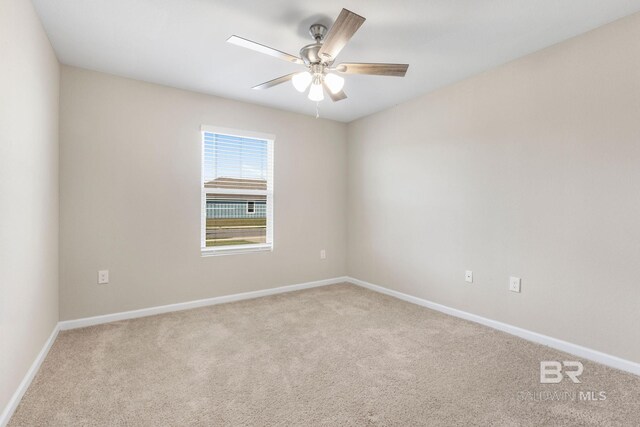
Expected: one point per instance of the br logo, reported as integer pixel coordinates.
(551, 371)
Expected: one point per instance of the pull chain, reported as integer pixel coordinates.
(317, 109)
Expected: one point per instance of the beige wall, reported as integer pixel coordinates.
(130, 196)
(29, 76)
(531, 170)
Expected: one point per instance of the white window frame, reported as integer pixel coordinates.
(253, 204)
(237, 249)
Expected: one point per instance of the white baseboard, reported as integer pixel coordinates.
(26, 381)
(107, 318)
(567, 347)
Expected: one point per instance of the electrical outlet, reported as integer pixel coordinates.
(323, 254)
(103, 277)
(468, 276)
(514, 284)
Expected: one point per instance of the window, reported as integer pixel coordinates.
(237, 191)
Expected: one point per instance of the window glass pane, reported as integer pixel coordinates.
(229, 220)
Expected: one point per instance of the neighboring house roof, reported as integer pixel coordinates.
(221, 198)
(237, 183)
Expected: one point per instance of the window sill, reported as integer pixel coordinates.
(233, 250)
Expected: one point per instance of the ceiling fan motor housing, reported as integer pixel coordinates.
(309, 53)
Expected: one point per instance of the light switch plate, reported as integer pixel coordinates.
(514, 284)
(468, 276)
(323, 254)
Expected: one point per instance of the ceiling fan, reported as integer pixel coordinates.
(318, 58)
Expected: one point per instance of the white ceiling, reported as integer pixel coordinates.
(181, 43)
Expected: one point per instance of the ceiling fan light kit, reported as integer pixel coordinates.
(301, 81)
(319, 57)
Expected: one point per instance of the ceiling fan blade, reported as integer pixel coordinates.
(239, 41)
(335, 97)
(275, 82)
(340, 33)
(397, 70)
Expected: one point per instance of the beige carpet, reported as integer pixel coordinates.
(337, 355)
